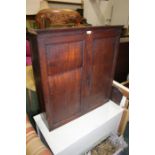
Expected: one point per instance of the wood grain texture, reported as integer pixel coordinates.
(47, 17)
(65, 89)
(63, 57)
(123, 122)
(76, 70)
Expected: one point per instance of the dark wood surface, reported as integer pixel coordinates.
(116, 95)
(122, 66)
(73, 70)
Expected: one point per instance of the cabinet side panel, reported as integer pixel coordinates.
(36, 70)
(122, 66)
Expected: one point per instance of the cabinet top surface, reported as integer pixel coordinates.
(48, 30)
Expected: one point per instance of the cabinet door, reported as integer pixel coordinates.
(101, 59)
(63, 75)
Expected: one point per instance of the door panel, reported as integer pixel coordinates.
(63, 57)
(65, 93)
(101, 74)
(64, 62)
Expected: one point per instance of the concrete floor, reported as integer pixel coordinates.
(126, 137)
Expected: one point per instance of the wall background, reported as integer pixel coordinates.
(97, 12)
(111, 12)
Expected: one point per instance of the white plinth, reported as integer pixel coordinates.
(81, 134)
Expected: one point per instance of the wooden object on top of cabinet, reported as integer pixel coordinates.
(57, 17)
(73, 70)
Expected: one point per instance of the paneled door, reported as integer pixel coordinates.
(62, 59)
(102, 47)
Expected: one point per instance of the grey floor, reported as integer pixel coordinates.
(126, 137)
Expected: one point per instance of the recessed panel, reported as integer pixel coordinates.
(103, 54)
(64, 57)
(65, 94)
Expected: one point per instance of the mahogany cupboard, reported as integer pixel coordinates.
(73, 70)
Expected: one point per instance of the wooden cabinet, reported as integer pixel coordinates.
(73, 70)
(122, 65)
